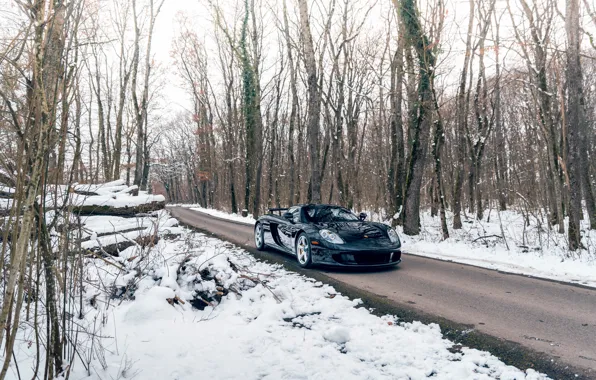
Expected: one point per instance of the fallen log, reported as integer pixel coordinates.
(115, 232)
(126, 211)
(115, 249)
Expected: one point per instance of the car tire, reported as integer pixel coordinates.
(303, 251)
(259, 237)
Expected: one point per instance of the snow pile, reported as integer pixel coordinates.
(250, 220)
(190, 307)
(106, 196)
(117, 200)
(505, 242)
(103, 188)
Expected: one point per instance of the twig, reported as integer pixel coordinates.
(486, 237)
(104, 260)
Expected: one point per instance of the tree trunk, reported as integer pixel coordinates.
(314, 103)
(395, 175)
(416, 38)
(294, 109)
(462, 121)
(575, 121)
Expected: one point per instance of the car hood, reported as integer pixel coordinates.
(353, 231)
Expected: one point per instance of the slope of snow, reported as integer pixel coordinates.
(221, 214)
(531, 250)
(275, 324)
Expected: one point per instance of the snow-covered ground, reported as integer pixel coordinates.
(531, 250)
(142, 319)
(114, 194)
(220, 214)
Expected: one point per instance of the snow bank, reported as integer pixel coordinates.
(250, 220)
(259, 322)
(116, 200)
(103, 188)
(109, 195)
(530, 250)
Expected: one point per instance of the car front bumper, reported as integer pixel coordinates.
(356, 258)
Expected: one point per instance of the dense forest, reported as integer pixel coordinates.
(371, 105)
(388, 109)
(395, 107)
(382, 107)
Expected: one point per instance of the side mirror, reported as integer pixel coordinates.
(288, 216)
(362, 216)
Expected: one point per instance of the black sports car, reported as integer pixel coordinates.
(328, 235)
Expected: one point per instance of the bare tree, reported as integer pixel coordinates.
(575, 121)
(140, 103)
(314, 103)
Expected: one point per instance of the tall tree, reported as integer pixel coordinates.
(141, 101)
(420, 129)
(314, 103)
(462, 121)
(575, 121)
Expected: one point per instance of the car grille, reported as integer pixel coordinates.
(367, 258)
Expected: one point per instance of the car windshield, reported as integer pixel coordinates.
(329, 214)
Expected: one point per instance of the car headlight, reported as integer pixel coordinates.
(393, 235)
(331, 237)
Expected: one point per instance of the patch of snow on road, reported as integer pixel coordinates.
(266, 323)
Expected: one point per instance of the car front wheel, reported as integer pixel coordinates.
(259, 237)
(303, 251)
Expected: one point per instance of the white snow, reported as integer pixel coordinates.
(273, 324)
(534, 250)
(7, 190)
(531, 250)
(113, 194)
(102, 188)
(224, 215)
(119, 229)
(116, 200)
(5, 204)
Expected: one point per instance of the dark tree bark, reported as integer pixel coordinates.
(501, 154)
(462, 121)
(438, 142)
(395, 175)
(292, 199)
(575, 121)
(314, 103)
(416, 38)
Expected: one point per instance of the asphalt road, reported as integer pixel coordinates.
(547, 317)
